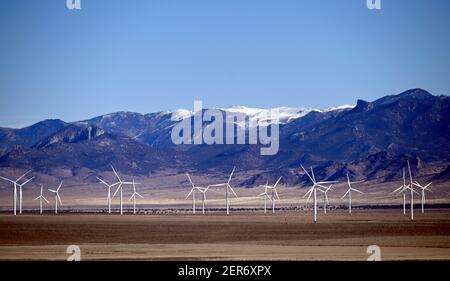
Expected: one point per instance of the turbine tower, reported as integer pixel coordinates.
(274, 193)
(41, 197)
(423, 189)
(200, 189)
(133, 196)
(15, 184)
(313, 190)
(20, 185)
(109, 186)
(349, 192)
(412, 191)
(57, 198)
(325, 198)
(120, 183)
(402, 189)
(227, 189)
(266, 196)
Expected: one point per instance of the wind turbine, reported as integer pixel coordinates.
(57, 198)
(402, 189)
(109, 186)
(227, 189)
(41, 197)
(325, 198)
(274, 193)
(15, 183)
(313, 190)
(120, 183)
(423, 188)
(20, 192)
(200, 189)
(133, 196)
(266, 196)
(411, 188)
(349, 192)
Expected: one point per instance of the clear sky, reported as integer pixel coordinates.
(153, 55)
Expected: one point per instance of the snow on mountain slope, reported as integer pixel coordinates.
(280, 115)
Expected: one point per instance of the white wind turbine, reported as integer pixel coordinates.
(313, 190)
(266, 196)
(412, 191)
(16, 183)
(200, 189)
(41, 197)
(349, 192)
(423, 189)
(326, 202)
(57, 198)
(133, 196)
(120, 183)
(402, 189)
(227, 189)
(274, 193)
(109, 186)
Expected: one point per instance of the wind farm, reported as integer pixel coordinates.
(222, 235)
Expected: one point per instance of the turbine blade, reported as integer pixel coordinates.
(117, 189)
(189, 194)
(308, 192)
(354, 189)
(397, 190)
(190, 180)
(231, 175)
(327, 182)
(276, 194)
(45, 199)
(23, 175)
(52, 190)
(232, 190)
(139, 195)
(306, 172)
(27, 181)
(102, 181)
(59, 199)
(409, 169)
(216, 185)
(348, 190)
(114, 170)
(6, 179)
(59, 186)
(277, 182)
(313, 176)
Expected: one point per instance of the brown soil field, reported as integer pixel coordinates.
(240, 236)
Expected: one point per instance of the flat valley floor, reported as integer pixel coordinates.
(240, 236)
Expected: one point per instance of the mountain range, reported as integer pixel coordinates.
(371, 140)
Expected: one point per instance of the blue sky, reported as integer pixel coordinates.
(153, 55)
